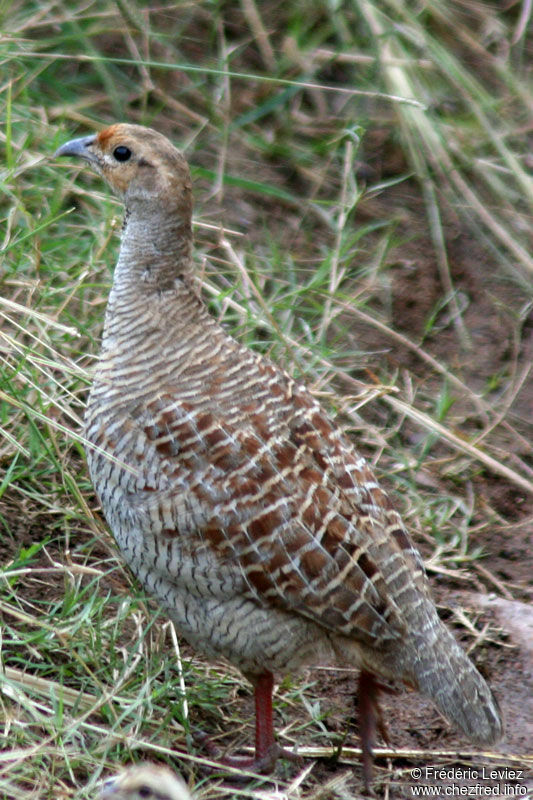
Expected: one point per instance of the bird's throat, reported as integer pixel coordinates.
(156, 248)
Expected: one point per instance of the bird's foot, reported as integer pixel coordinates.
(261, 763)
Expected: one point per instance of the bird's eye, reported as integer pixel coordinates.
(122, 153)
(144, 791)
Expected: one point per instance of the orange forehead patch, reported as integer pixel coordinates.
(107, 134)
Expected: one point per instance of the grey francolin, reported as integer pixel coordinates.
(145, 782)
(244, 510)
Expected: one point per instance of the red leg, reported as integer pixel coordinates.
(267, 751)
(265, 745)
(370, 720)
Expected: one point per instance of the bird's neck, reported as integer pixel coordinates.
(155, 250)
(153, 292)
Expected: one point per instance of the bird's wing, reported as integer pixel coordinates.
(282, 495)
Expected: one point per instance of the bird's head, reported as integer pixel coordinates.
(140, 165)
(145, 782)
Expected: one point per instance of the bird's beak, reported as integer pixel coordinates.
(109, 788)
(78, 147)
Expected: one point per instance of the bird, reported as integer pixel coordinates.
(145, 782)
(239, 504)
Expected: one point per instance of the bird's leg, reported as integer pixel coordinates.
(265, 746)
(370, 720)
(267, 750)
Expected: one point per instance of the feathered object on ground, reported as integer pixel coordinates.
(145, 782)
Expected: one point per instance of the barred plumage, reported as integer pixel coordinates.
(233, 497)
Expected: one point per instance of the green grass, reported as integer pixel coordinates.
(332, 145)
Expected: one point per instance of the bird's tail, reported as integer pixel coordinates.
(445, 674)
